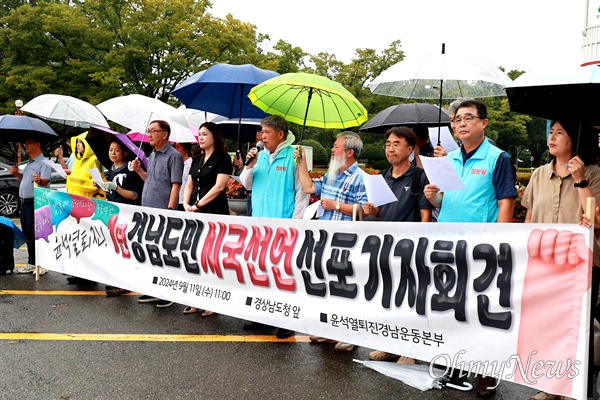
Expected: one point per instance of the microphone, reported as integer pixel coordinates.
(259, 147)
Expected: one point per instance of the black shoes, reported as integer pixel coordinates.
(255, 326)
(284, 333)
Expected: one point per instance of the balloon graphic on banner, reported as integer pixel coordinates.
(105, 210)
(41, 198)
(60, 206)
(43, 223)
(82, 207)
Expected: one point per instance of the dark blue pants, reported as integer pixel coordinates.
(28, 228)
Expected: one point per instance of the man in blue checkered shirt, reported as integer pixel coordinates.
(340, 188)
(343, 185)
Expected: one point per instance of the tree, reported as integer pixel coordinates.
(97, 49)
(509, 130)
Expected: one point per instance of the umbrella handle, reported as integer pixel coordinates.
(466, 386)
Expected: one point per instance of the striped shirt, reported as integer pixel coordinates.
(348, 188)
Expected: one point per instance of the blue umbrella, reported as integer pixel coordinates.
(223, 89)
(20, 238)
(17, 128)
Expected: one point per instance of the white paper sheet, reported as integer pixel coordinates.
(440, 173)
(310, 211)
(235, 178)
(57, 167)
(378, 191)
(96, 175)
(448, 142)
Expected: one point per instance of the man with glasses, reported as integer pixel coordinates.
(406, 180)
(162, 181)
(35, 172)
(489, 176)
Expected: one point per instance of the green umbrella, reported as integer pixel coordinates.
(309, 100)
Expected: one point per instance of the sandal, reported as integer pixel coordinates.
(207, 313)
(379, 355)
(406, 360)
(190, 310)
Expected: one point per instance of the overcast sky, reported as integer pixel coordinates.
(515, 34)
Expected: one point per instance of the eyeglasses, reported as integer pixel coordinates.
(394, 146)
(153, 131)
(467, 118)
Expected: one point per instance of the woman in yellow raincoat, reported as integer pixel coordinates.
(80, 182)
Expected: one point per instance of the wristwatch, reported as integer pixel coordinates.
(583, 184)
(338, 205)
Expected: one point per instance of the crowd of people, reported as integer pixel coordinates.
(278, 184)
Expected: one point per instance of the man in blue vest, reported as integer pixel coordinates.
(272, 175)
(489, 176)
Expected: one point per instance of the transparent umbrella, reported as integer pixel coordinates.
(441, 76)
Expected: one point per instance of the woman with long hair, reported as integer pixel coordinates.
(205, 189)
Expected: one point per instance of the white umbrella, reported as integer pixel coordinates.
(196, 117)
(136, 111)
(65, 110)
(418, 376)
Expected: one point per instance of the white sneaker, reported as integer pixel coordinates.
(42, 271)
(27, 269)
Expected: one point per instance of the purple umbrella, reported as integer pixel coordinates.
(99, 139)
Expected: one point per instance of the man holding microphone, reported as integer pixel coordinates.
(273, 177)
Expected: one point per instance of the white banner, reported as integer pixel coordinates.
(509, 300)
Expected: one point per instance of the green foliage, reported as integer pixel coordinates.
(508, 129)
(319, 153)
(371, 153)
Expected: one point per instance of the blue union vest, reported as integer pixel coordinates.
(478, 202)
(273, 192)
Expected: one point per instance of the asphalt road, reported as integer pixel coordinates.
(60, 341)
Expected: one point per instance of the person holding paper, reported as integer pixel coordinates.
(487, 172)
(405, 179)
(489, 176)
(340, 188)
(35, 172)
(122, 186)
(80, 182)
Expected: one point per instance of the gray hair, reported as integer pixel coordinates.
(453, 107)
(351, 142)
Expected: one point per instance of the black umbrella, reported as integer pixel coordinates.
(99, 139)
(416, 114)
(230, 126)
(573, 94)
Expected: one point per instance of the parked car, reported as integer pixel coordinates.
(10, 203)
(9, 192)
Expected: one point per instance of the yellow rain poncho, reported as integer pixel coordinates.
(80, 182)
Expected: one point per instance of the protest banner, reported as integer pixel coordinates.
(507, 300)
